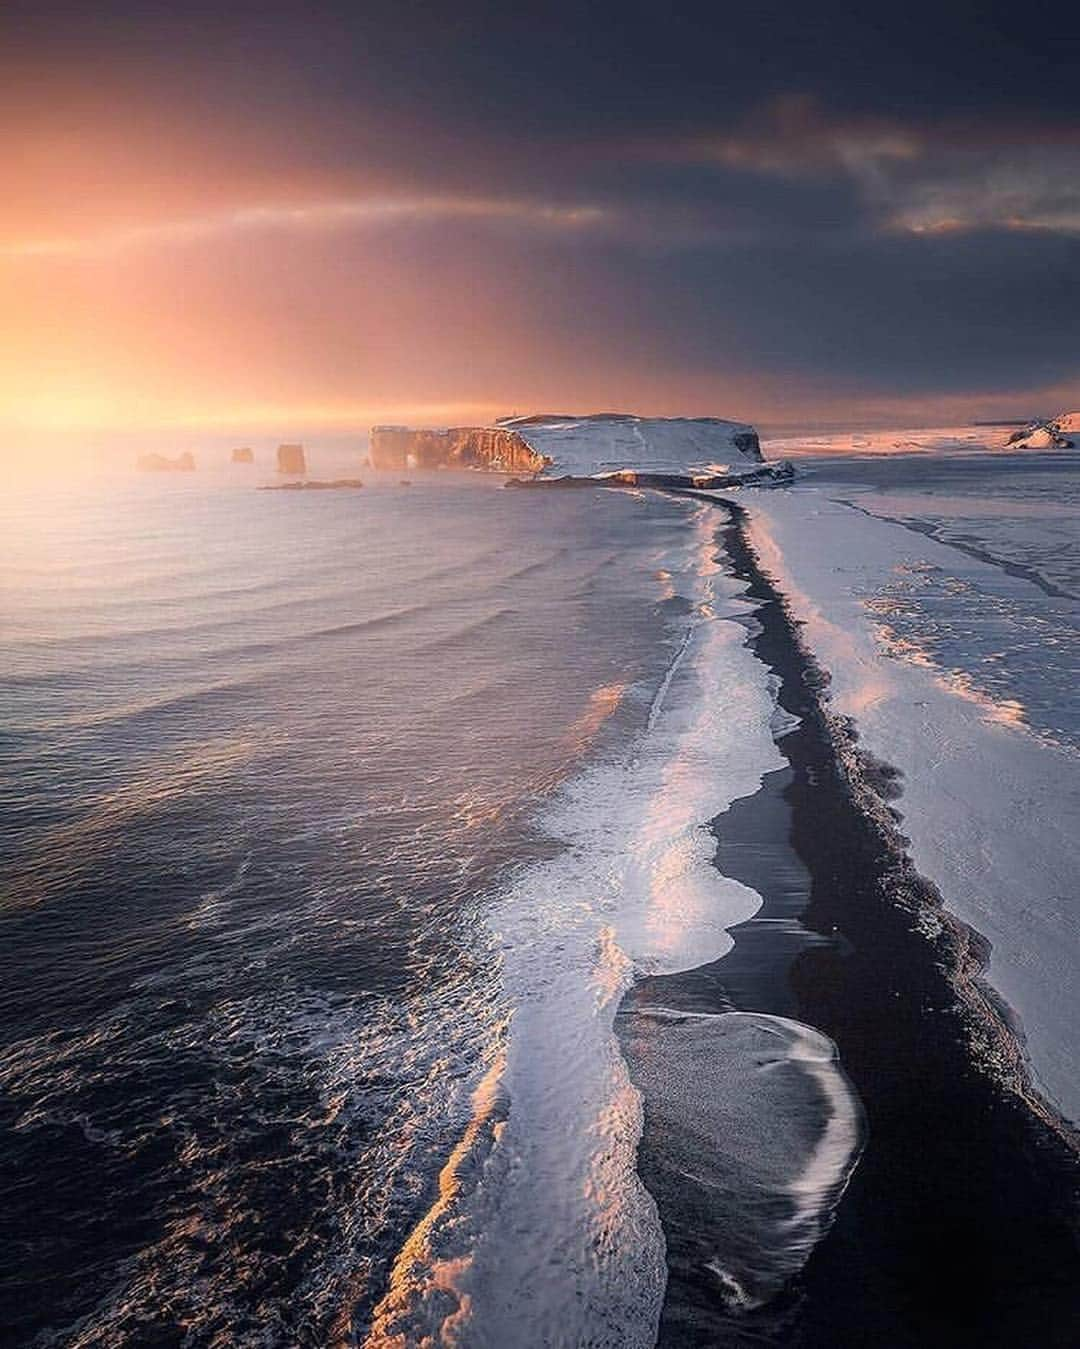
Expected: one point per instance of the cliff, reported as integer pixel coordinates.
(659, 451)
(494, 448)
(244, 456)
(682, 448)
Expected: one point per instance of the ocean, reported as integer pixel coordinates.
(274, 764)
(339, 824)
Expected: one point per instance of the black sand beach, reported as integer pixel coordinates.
(959, 1225)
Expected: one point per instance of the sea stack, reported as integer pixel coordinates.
(244, 456)
(161, 463)
(290, 459)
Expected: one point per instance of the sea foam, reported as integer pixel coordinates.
(543, 1233)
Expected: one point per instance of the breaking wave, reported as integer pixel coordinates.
(541, 1219)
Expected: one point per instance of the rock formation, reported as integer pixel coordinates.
(290, 459)
(161, 463)
(617, 448)
(244, 456)
(1060, 433)
(487, 447)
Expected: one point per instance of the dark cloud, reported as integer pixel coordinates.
(881, 198)
(912, 316)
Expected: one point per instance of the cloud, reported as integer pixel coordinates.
(1030, 189)
(792, 137)
(914, 177)
(311, 216)
(405, 206)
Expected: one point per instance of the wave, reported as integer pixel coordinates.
(56, 856)
(756, 1131)
(187, 630)
(133, 716)
(549, 1225)
(468, 632)
(541, 564)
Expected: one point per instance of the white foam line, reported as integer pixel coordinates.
(550, 1237)
(669, 675)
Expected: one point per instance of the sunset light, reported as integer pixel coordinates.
(540, 594)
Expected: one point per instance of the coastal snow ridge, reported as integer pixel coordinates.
(989, 809)
(616, 444)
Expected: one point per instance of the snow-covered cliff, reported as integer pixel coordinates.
(698, 452)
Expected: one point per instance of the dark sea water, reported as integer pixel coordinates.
(337, 827)
(267, 757)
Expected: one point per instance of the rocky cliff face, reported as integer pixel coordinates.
(488, 447)
(243, 456)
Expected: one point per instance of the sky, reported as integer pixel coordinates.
(289, 220)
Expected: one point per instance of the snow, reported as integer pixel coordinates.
(1041, 438)
(891, 440)
(1048, 435)
(989, 807)
(930, 440)
(591, 446)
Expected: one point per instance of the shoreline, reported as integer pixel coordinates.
(967, 1180)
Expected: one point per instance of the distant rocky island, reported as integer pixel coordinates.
(161, 463)
(604, 449)
(609, 449)
(1059, 433)
(291, 459)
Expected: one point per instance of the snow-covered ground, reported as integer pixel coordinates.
(889, 440)
(583, 447)
(990, 806)
(1058, 433)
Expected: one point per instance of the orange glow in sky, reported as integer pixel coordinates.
(173, 262)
